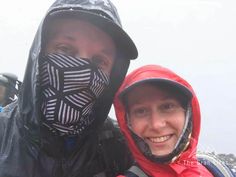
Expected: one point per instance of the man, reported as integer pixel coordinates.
(78, 60)
(2, 95)
(3, 81)
(9, 87)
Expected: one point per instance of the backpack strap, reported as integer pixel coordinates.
(212, 162)
(102, 174)
(135, 171)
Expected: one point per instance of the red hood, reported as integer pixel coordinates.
(187, 161)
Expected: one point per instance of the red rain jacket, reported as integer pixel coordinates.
(186, 165)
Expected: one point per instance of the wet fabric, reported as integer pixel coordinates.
(28, 149)
(70, 87)
(186, 163)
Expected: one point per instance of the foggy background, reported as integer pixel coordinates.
(194, 38)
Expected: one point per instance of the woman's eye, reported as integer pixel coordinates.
(169, 107)
(139, 112)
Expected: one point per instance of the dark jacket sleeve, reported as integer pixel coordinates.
(115, 151)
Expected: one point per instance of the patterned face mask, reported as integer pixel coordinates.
(70, 87)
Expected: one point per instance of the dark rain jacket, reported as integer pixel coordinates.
(186, 165)
(28, 150)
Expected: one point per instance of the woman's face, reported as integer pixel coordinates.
(156, 116)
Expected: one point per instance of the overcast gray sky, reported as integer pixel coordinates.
(195, 38)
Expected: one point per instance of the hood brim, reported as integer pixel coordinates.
(181, 88)
(123, 42)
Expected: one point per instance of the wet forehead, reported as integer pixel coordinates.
(74, 30)
(146, 92)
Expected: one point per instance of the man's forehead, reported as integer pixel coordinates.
(105, 2)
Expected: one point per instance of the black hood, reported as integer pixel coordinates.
(29, 99)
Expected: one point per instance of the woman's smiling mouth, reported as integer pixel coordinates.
(160, 139)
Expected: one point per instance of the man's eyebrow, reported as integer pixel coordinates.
(69, 37)
(107, 51)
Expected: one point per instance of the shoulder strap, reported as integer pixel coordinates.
(135, 171)
(102, 174)
(217, 167)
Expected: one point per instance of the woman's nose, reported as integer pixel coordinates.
(157, 121)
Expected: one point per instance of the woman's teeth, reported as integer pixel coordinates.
(159, 139)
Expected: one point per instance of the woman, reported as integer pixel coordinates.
(159, 114)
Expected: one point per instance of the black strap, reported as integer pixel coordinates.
(102, 174)
(135, 171)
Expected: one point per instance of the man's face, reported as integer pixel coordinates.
(82, 39)
(2, 94)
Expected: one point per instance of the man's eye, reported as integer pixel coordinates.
(64, 49)
(100, 62)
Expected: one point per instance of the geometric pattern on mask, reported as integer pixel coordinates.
(70, 87)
